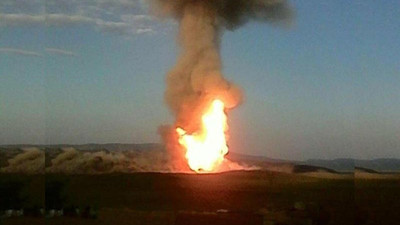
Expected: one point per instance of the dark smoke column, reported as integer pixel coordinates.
(196, 79)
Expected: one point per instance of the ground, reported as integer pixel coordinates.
(253, 197)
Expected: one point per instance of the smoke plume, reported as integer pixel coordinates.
(192, 84)
(30, 161)
(72, 161)
(197, 77)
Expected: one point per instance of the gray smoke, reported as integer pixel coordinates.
(192, 84)
(197, 79)
(229, 13)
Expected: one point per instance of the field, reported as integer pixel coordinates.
(256, 197)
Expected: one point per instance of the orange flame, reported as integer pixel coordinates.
(205, 150)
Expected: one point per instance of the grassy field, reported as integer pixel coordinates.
(256, 197)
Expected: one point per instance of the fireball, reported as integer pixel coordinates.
(205, 149)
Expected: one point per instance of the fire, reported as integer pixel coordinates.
(205, 150)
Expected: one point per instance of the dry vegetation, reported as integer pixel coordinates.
(155, 198)
(94, 191)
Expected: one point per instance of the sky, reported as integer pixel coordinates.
(328, 86)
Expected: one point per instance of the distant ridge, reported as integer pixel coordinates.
(349, 164)
(308, 169)
(364, 170)
(235, 156)
(340, 164)
(93, 146)
(381, 165)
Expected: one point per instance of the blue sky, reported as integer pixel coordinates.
(93, 72)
